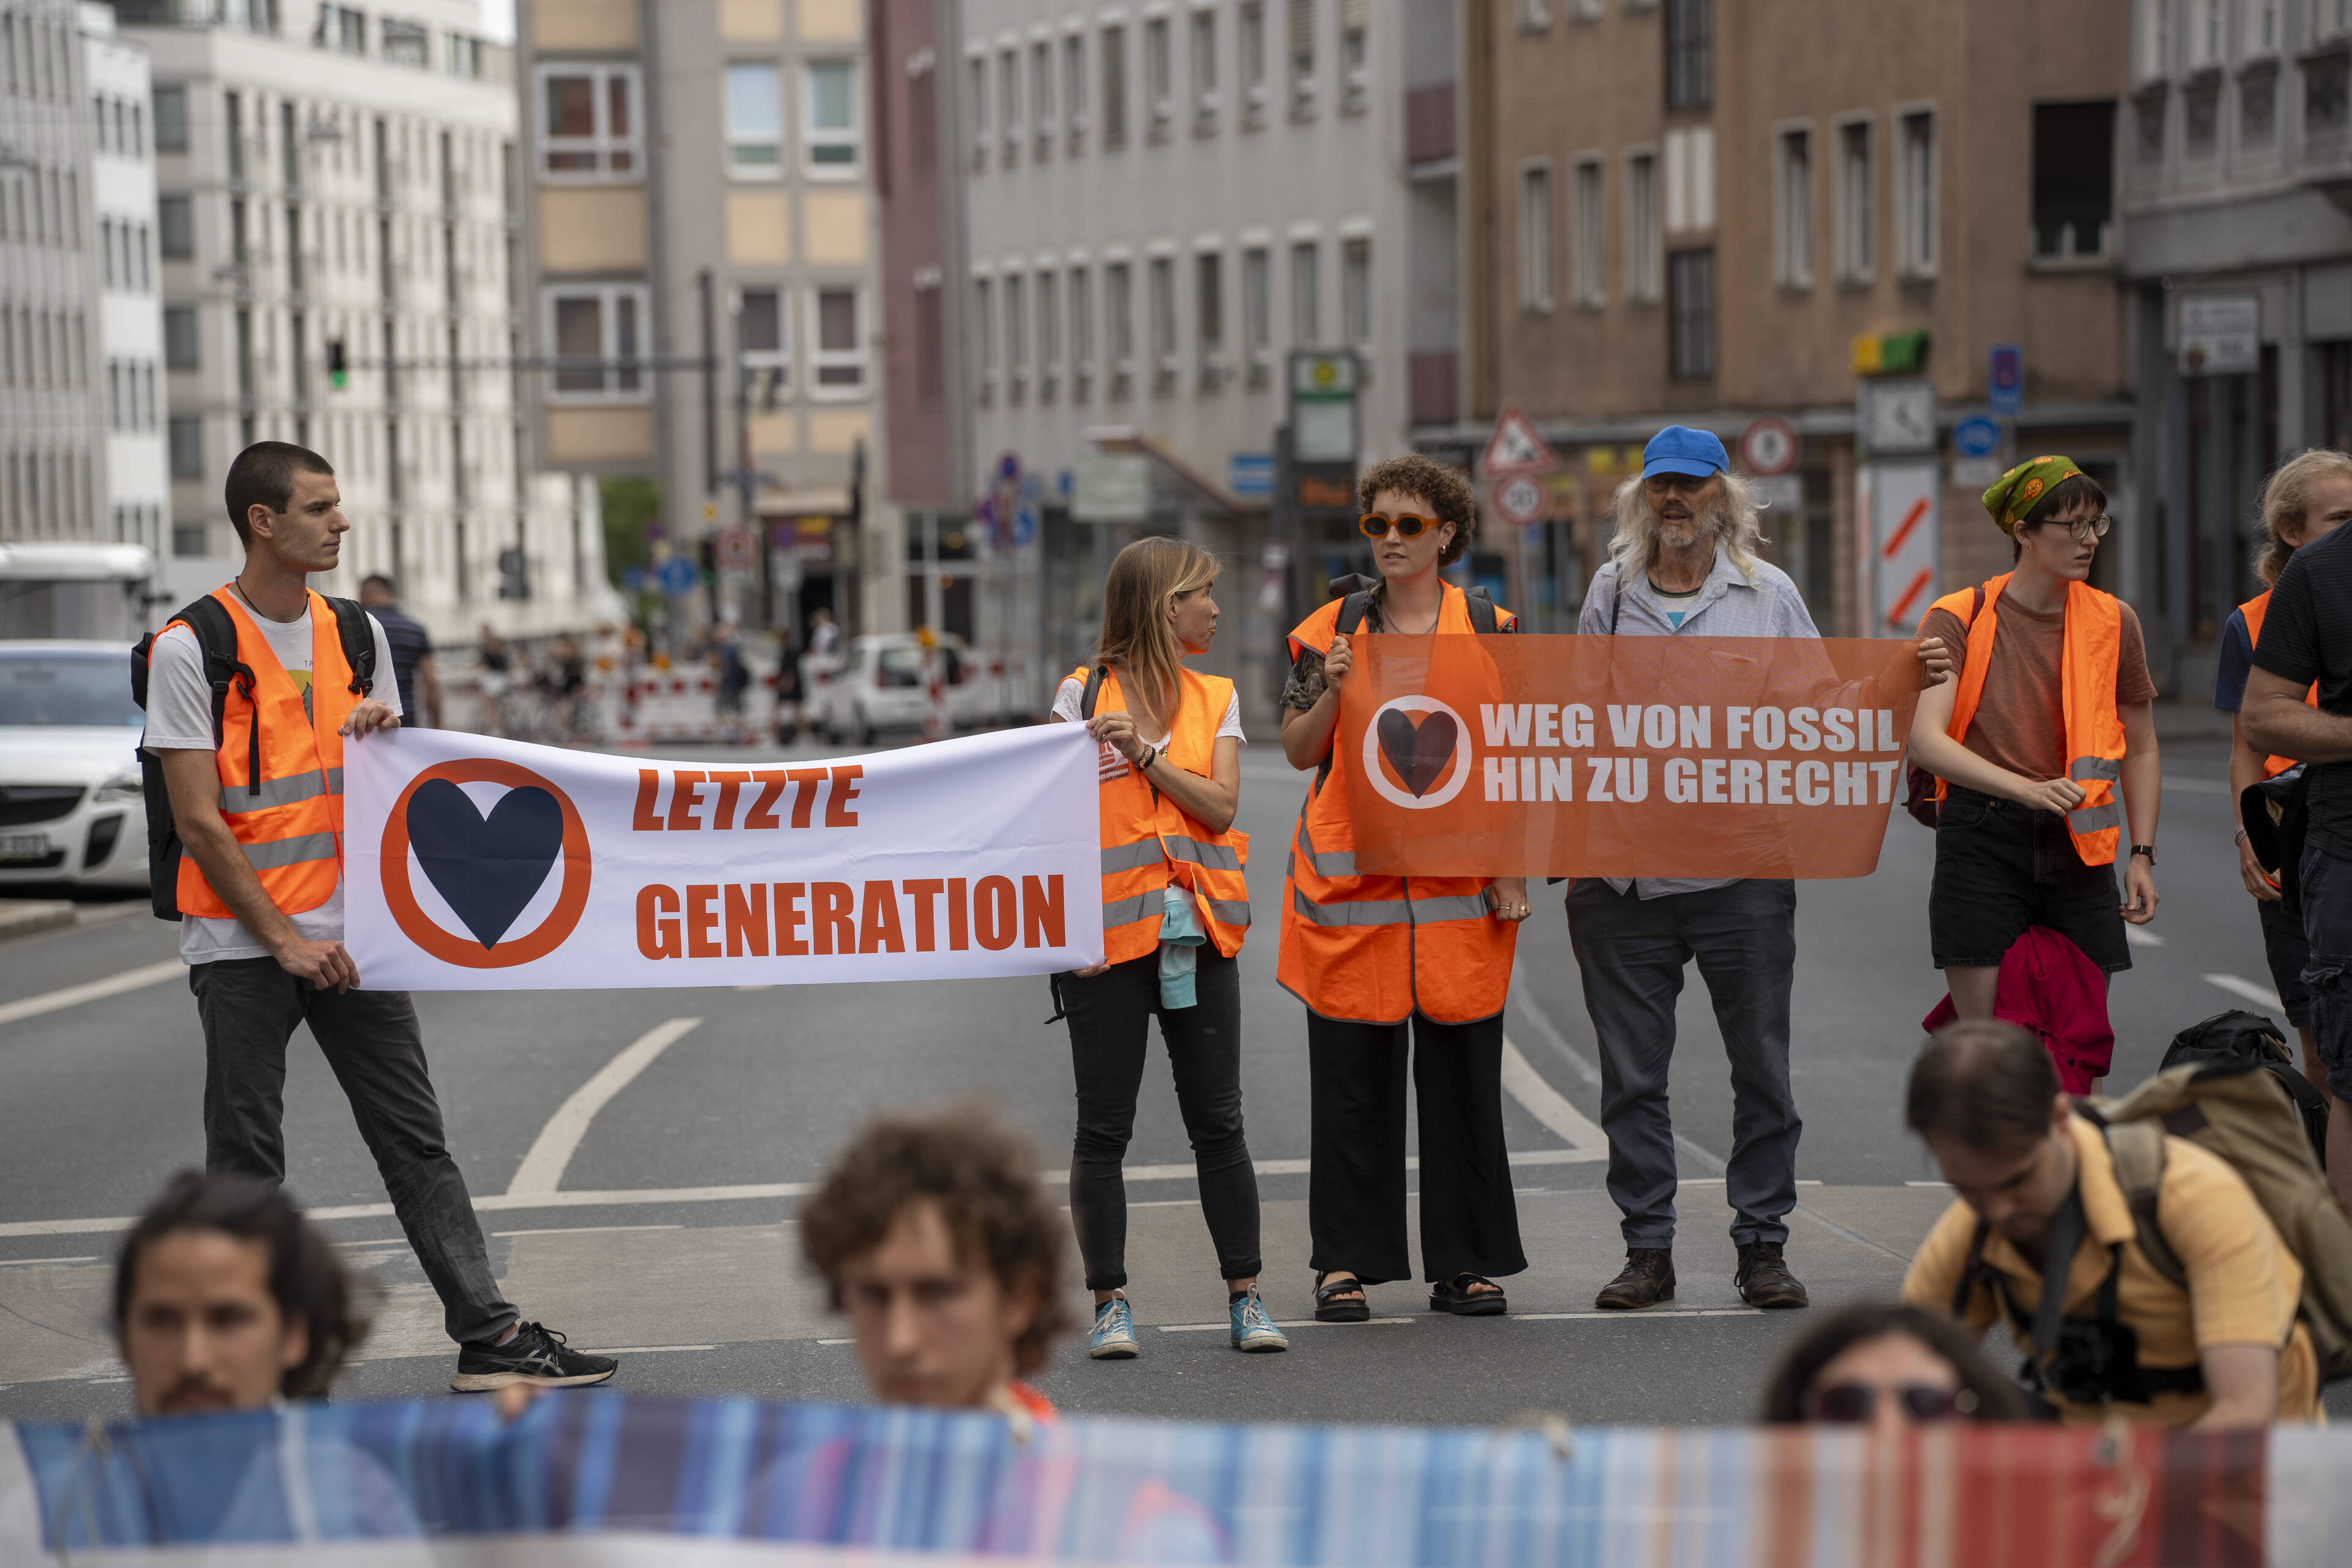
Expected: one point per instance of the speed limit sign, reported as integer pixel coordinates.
(1767, 448)
(1521, 498)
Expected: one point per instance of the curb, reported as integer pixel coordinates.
(23, 917)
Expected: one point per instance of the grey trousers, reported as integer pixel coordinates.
(1632, 955)
(249, 1007)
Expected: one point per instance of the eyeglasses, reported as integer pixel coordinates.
(1375, 526)
(1848, 1403)
(2085, 529)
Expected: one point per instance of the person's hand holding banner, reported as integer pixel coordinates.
(1595, 756)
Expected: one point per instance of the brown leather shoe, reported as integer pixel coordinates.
(1764, 1280)
(1648, 1279)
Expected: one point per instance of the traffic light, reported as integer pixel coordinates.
(514, 578)
(339, 370)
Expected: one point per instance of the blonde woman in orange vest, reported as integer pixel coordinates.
(1397, 968)
(2309, 497)
(2045, 746)
(1175, 910)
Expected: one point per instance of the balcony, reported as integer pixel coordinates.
(1434, 396)
(1428, 122)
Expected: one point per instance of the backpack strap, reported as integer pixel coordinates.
(358, 638)
(1972, 1273)
(1352, 611)
(1484, 619)
(2138, 1148)
(1087, 711)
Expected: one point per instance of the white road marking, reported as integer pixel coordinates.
(1279, 1323)
(587, 1230)
(2260, 995)
(1650, 1312)
(1547, 1105)
(645, 1350)
(541, 1170)
(28, 1262)
(2180, 785)
(1523, 999)
(93, 990)
(1717, 1180)
(1946, 1186)
(2137, 936)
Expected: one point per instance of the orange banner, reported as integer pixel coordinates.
(1600, 756)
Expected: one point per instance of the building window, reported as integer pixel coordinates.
(1163, 319)
(1690, 54)
(171, 106)
(1114, 92)
(1049, 327)
(1642, 241)
(1300, 53)
(1016, 332)
(598, 331)
(1857, 203)
(406, 44)
(1209, 316)
(1257, 310)
(1082, 325)
(1916, 201)
(461, 55)
(1305, 294)
(1205, 68)
(839, 365)
(2148, 17)
(1041, 98)
(588, 122)
(343, 29)
(1249, 30)
(1355, 51)
(1118, 314)
(1074, 90)
(1356, 291)
(975, 71)
(179, 336)
(984, 332)
(1587, 236)
(2263, 28)
(764, 346)
(2073, 178)
(930, 342)
(1535, 237)
(1690, 310)
(1792, 186)
(829, 107)
(187, 445)
(755, 121)
(922, 114)
(1158, 73)
(1008, 105)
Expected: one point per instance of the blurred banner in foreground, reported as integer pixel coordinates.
(1603, 756)
(473, 863)
(605, 1479)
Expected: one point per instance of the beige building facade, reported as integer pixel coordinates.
(1695, 211)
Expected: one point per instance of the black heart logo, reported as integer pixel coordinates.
(488, 870)
(1419, 752)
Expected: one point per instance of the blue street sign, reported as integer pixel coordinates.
(633, 578)
(1008, 469)
(1024, 524)
(1250, 474)
(1976, 437)
(2005, 378)
(678, 576)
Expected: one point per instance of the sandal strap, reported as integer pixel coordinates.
(1461, 1283)
(1350, 1286)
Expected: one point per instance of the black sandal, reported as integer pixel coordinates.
(1331, 1305)
(1456, 1296)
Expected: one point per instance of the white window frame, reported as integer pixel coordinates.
(1306, 259)
(1009, 128)
(1159, 72)
(1042, 68)
(1200, 46)
(1249, 59)
(1211, 339)
(778, 360)
(1045, 310)
(816, 139)
(2151, 52)
(1588, 231)
(1077, 293)
(1539, 246)
(1645, 225)
(1356, 298)
(1257, 309)
(2258, 13)
(975, 85)
(1918, 241)
(983, 323)
(2207, 35)
(600, 143)
(1792, 231)
(1163, 312)
(1074, 90)
(822, 359)
(607, 296)
(773, 168)
(1118, 318)
(1857, 235)
(1354, 54)
(1012, 285)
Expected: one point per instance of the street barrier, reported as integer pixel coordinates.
(605, 1477)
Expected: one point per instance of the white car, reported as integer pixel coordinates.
(70, 805)
(880, 685)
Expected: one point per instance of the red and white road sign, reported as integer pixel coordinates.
(734, 549)
(1523, 500)
(1514, 447)
(1767, 448)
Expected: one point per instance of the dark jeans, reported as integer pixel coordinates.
(249, 1007)
(2326, 889)
(1355, 1194)
(1632, 953)
(1110, 1017)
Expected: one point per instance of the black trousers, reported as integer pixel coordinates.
(1110, 1015)
(250, 1007)
(1355, 1196)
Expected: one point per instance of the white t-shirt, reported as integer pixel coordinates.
(1113, 762)
(179, 719)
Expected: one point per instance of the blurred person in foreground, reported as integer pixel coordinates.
(412, 653)
(1887, 1367)
(931, 1233)
(2039, 1196)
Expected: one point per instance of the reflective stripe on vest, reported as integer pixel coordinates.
(2254, 609)
(1390, 911)
(1149, 906)
(280, 792)
(272, 853)
(1328, 862)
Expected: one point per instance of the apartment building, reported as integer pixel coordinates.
(128, 373)
(698, 226)
(1105, 230)
(1687, 212)
(2236, 246)
(335, 227)
(53, 430)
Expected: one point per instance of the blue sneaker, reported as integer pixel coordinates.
(1253, 1330)
(1114, 1335)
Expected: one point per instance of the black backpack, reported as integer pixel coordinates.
(2238, 1035)
(1358, 602)
(217, 635)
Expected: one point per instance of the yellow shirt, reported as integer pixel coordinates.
(2243, 1284)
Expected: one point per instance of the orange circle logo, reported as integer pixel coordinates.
(492, 951)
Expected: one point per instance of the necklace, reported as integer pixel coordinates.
(1434, 619)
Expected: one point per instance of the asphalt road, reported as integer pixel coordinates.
(646, 1241)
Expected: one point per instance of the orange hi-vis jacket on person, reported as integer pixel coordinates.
(2254, 609)
(281, 769)
(1375, 949)
(2087, 680)
(1147, 841)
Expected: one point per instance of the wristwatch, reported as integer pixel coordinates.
(2147, 849)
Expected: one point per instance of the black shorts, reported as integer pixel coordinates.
(2288, 953)
(2000, 868)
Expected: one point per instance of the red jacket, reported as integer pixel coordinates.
(2048, 985)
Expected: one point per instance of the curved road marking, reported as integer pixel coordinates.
(75, 995)
(541, 1170)
(2260, 995)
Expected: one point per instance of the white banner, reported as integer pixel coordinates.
(474, 864)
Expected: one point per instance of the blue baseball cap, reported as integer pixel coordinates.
(1679, 449)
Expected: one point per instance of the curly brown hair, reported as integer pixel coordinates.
(1445, 491)
(982, 1176)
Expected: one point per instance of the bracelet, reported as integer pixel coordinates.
(2241, 837)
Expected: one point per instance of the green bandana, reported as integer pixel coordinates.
(2015, 492)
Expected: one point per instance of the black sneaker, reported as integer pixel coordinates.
(535, 1355)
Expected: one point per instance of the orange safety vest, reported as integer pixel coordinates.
(1148, 841)
(2254, 609)
(2086, 679)
(1377, 949)
(281, 770)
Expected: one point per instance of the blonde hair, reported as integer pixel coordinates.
(2286, 503)
(1137, 641)
(1736, 521)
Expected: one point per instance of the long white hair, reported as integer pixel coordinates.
(1736, 521)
